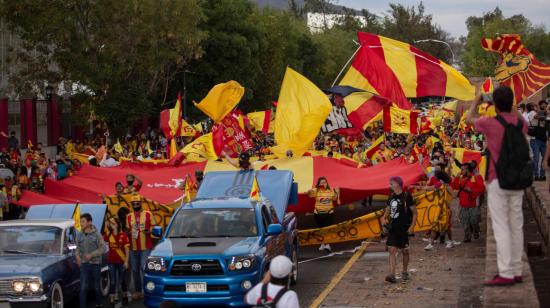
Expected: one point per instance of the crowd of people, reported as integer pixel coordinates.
(432, 148)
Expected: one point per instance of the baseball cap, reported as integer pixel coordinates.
(280, 267)
(136, 198)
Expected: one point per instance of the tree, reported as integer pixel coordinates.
(478, 62)
(123, 54)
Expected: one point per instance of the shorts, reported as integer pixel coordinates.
(398, 239)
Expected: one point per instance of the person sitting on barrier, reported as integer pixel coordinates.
(324, 205)
(243, 163)
(399, 218)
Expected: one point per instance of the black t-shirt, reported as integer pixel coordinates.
(400, 211)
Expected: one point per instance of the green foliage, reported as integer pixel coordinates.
(123, 53)
(478, 62)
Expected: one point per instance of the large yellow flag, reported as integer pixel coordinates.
(76, 217)
(302, 109)
(175, 116)
(201, 149)
(118, 147)
(221, 99)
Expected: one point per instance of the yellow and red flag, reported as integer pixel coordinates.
(465, 156)
(186, 129)
(518, 68)
(364, 108)
(221, 100)
(261, 121)
(301, 111)
(375, 146)
(255, 190)
(200, 149)
(397, 70)
(400, 121)
(487, 86)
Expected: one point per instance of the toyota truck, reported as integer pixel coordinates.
(218, 246)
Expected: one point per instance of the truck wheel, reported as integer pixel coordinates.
(57, 297)
(294, 274)
(104, 283)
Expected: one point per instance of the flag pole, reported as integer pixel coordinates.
(540, 89)
(346, 65)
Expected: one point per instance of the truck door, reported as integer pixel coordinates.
(275, 244)
(72, 276)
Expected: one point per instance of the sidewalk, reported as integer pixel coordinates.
(439, 278)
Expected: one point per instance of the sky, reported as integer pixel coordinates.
(451, 15)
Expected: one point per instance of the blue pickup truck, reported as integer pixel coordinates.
(219, 245)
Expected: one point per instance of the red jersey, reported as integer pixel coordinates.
(117, 244)
(139, 228)
(474, 184)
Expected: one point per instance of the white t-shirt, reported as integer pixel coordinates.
(289, 299)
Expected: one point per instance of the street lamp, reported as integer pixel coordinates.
(441, 42)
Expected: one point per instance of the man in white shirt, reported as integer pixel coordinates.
(272, 291)
(108, 161)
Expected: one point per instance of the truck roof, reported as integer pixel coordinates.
(220, 203)
(275, 185)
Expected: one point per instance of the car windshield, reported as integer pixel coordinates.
(30, 240)
(198, 223)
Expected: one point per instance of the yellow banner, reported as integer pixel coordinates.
(119, 206)
(221, 99)
(428, 205)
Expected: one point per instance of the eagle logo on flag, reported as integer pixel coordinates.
(511, 65)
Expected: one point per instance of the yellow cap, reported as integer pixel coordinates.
(135, 198)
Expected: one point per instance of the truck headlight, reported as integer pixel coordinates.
(156, 264)
(240, 262)
(18, 286)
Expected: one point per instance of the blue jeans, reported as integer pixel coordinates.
(539, 150)
(137, 260)
(116, 278)
(89, 272)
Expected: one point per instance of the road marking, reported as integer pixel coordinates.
(336, 279)
(332, 254)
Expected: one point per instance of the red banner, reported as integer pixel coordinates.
(229, 136)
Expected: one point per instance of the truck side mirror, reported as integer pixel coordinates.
(157, 231)
(274, 229)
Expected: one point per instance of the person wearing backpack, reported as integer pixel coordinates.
(510, 172)
(272, 291)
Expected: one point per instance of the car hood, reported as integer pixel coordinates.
(227, 246)
(14, 265)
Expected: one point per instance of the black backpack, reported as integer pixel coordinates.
(514, 167)
(264, 303)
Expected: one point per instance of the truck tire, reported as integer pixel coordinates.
(294, 274)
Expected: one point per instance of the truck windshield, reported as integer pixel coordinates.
(197, 223)
(30, 240)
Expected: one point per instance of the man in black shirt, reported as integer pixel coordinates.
(399, 218)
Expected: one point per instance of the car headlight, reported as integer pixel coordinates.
(18, 286)
(35, 286)
(156, 264)
(240, 262)
(27, 285)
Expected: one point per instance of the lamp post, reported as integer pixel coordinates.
(441, 42)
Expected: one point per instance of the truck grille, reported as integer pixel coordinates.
(5, 287)
(196, 268)
(209, 288)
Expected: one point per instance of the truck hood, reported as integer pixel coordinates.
(14, 265)
(227, 246)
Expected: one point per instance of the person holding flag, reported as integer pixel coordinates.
(324, 205)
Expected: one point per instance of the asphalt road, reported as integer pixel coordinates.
(316, 269)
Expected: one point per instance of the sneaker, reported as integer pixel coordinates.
(449, 244)
(426, 239)
(391, 278)
(429, 247)
(499, 281)
(405, 276)
(322, 247)
(455, 243)
(518, 279)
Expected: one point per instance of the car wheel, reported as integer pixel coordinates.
(104, 283)
(56, 300)
(294, 277)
